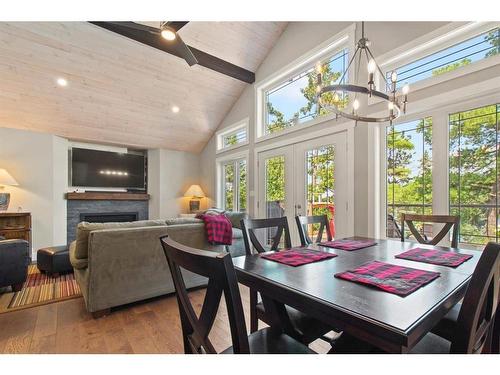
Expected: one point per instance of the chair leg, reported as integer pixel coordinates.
(17, 287)
(254, 321)
(495, 343)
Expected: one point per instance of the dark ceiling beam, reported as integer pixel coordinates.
(204, 59)
(177, 25)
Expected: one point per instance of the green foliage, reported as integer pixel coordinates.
(494, 38)
(228, 187)
(231, 140)
(450, 67)
(275, 179)
(473, 172)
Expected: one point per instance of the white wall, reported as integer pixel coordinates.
(300, 37)
(170, 173)
(39, 164)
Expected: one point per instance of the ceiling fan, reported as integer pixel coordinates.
(169, 32)
(167, 39)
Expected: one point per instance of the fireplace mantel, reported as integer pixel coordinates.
(103, 196)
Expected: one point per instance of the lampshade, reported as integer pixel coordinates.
(194, 191)
(6, 178)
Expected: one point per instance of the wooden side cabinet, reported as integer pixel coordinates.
(16, 225)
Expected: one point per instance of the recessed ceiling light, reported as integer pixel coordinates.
(62, 82)
(175, 109)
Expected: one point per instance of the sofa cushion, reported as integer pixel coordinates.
(183, 220)
(84, 228)
(235, 218)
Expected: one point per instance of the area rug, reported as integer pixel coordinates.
(40, 289)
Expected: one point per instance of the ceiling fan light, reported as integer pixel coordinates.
(168, 34)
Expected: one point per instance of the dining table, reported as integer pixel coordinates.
(391, 322)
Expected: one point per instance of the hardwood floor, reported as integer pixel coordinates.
(148, 327)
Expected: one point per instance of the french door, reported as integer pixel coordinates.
(306, 178)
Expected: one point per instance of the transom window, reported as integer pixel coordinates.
(474, 173)
(464, 53)
(233, 136)
(234, 185)
(231, 139)
(409, 171)
(294, 101)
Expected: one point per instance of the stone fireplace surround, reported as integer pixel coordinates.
(113, 207)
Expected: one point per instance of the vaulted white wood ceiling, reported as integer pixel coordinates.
(120, 91)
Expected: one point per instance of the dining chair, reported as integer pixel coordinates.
(302, 226)
(448, 221)
(219, 270)
(306, 328)
(475, 327)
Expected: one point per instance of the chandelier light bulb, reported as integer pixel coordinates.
(372, 66)
(390, 105)
(168, 34)
(406, 89)
(355, 104)
(394, 76)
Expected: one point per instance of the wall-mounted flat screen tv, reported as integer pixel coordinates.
(105, 169)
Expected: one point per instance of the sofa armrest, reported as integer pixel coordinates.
(77, 263)
(236, 217)
(14, 261)
(16, 247)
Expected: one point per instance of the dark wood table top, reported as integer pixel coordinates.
(313, 287)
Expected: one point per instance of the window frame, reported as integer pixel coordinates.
(221, 134)
(342, 40)
(436, 41)
(385, 175)
(440, 158)
(466, 108)
(233, 158)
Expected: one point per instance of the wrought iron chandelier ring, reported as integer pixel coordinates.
(394, 114)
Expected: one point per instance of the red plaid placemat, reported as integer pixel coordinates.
(389, 277)
(348, 245)
(432, 256)
(298, 256)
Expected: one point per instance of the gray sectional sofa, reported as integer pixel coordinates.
(120, 263)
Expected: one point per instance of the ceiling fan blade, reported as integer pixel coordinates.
(137, 26)
(184, 51)
(176, 25)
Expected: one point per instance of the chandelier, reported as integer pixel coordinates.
(396, 102)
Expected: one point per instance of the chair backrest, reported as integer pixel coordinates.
(280, 224)
(304, 221)
(393, 230)
(219, 270)
(477, 315)
(448, 221)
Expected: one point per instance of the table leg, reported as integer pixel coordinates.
(278, 317)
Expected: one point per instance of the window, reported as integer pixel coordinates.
(464, 53)
(294, 101)
(232, 137)
(473, 173)
(234, 185)
(409, 171)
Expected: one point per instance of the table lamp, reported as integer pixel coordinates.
(196, 194)
(5, 179)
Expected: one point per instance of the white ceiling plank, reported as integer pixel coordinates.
(121, 91)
